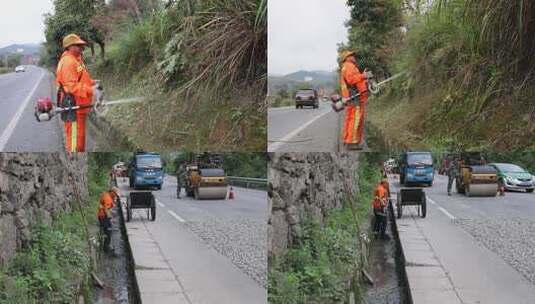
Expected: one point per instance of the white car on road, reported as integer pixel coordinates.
(20, 68)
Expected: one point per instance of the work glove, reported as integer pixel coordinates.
(98, 96)
(98, 93)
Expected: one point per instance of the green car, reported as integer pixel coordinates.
(515, 177)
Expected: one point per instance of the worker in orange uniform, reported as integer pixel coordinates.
(353, 82)
(75, 83)
(104, 214)
(380, 203)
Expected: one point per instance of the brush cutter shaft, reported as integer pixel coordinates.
(45, 111)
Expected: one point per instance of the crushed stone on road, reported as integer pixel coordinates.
(512, 239)
(243, 241)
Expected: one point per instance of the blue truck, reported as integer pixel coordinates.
(145, 170)
(416, 168)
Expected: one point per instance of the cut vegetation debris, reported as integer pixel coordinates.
(201, 63)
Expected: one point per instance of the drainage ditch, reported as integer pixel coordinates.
(387, 268)
(117, 271)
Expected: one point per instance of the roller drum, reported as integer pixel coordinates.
(212, 193)
(482, 190)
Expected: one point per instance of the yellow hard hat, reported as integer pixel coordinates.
(345, 54)
(72, 39)
(116, 191)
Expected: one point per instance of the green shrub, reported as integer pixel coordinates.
(52, 269)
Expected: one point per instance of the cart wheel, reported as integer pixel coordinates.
(128, 210)
(424, 207)
(153, 213)
(153, 209)
(398, 204)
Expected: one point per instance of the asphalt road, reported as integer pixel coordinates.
(213, 245)
(303, 130)
(485, 245)
(19, 130)
(307, 130)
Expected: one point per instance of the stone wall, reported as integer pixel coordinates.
(301, 183)
(34, 185)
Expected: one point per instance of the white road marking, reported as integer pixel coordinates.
(160, 204)
(442, 209)
(178, 218)
(279, 109)
(13, 123)
(277, 145)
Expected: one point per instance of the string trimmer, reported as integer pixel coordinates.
(45, 110)
(373, 87)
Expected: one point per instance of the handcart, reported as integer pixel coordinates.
(141, 200)
(411, 197)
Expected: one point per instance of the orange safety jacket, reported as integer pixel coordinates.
(379, 201)
(107, 201)
(351, 77)
(73, 76)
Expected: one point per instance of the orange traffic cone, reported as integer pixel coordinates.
(231, 193)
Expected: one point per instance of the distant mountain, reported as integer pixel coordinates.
(314, 76)
(24, 49)
(299, 79)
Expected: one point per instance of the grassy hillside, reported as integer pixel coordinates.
(203, 69)
(469, 81)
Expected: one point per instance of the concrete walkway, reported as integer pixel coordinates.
(172, 265)
(444, 264)
(156, 279)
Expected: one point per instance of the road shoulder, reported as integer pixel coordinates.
(444, 264)
(172, 264)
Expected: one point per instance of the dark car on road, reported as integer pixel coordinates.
(306, 97)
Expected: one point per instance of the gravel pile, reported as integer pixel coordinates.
(512, 239)
(243, 241)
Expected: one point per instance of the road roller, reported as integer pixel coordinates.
(206, 178)
(475, 177)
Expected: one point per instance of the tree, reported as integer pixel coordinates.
(372, 27)
(283, 93)
(72, 16)
(13, 60)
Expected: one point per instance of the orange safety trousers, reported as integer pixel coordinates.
(354, 122)
(75, 133)
(73, 76)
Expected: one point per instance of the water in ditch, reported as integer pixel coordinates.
(386, 269)
(116, 271)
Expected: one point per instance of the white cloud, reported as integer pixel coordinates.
(22, 21)
(304, 34)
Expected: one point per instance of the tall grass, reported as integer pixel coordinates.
(470, 66)
(203, 64)
(225, 41)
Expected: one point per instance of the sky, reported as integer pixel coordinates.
(21, 21)
(304, 34)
